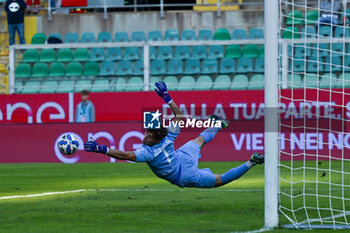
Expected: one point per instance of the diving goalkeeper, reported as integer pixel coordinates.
(179, 167)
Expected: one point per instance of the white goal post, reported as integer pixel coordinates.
(307, 114)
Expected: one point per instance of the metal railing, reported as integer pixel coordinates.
(136, 7)
(145, 45)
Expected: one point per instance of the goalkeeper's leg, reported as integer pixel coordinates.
(208, 134)
(237, 172)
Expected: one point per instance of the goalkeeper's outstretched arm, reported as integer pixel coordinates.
(93, 146)
(122, 155)
(162, 91)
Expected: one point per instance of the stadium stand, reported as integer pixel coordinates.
(39, 38)
(71, 38)
(57, 69)
(204, 82)
(186, 83)
(242, 65)
(239, 82)
(135, 84)
(40, 70)
(31, 55)
(47, 55)
(222, 82)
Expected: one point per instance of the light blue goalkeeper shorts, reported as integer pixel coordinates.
(191, 176)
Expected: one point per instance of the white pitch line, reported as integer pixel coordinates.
(125, 190)
(43, 194)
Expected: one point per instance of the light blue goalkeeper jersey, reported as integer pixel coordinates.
(161, 157)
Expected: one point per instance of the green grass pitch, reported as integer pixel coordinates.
(127, 197)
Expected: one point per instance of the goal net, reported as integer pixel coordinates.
(314, 105)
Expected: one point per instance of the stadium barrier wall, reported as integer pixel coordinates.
(31, 124)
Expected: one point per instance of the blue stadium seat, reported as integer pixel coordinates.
(337, 48)
(154, 36)
(97, 54)
(325, 31)
(100, 85)
(328, 80)
(347, 63)
(104, 37)
(239, 82)
(205, 34)
(186, 83)
(158, 67)
(88, 37)
(124, 68)
(321, 50)
(171, 82)
(301, 50)
(294, 81)
(297, 65)
(71, 37)
(107, 68)
(333, 64)
(257, 81)
(182, 52)
(138, 36)
(175, 67)
(165, 52)
(131, 53)
(239, 34)
(121, 37)
(114, 54)
(244, 65)
(216, 51)
(192, 66)
(31, 87)
(66, 86)
(138, 68)
(171, 35)
(188, 35)
(199, 51)
(210, 66)
(204, 82)
(82, 84)
(256, 33)
(259, 65)
(120, 84)
(341, 32)
(310, 80)
(152, 52)
(227, 66)
(313, 65)
(308, 32)
(343, 80)
(222, 82)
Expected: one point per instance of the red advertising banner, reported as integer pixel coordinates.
(129, 106)
(120, 106)
(24, 143)
(312, 122)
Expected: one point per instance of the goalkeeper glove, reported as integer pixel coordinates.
(162, 91)
(92, 146)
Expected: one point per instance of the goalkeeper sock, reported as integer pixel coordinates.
(234, 173)
(209, 133)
